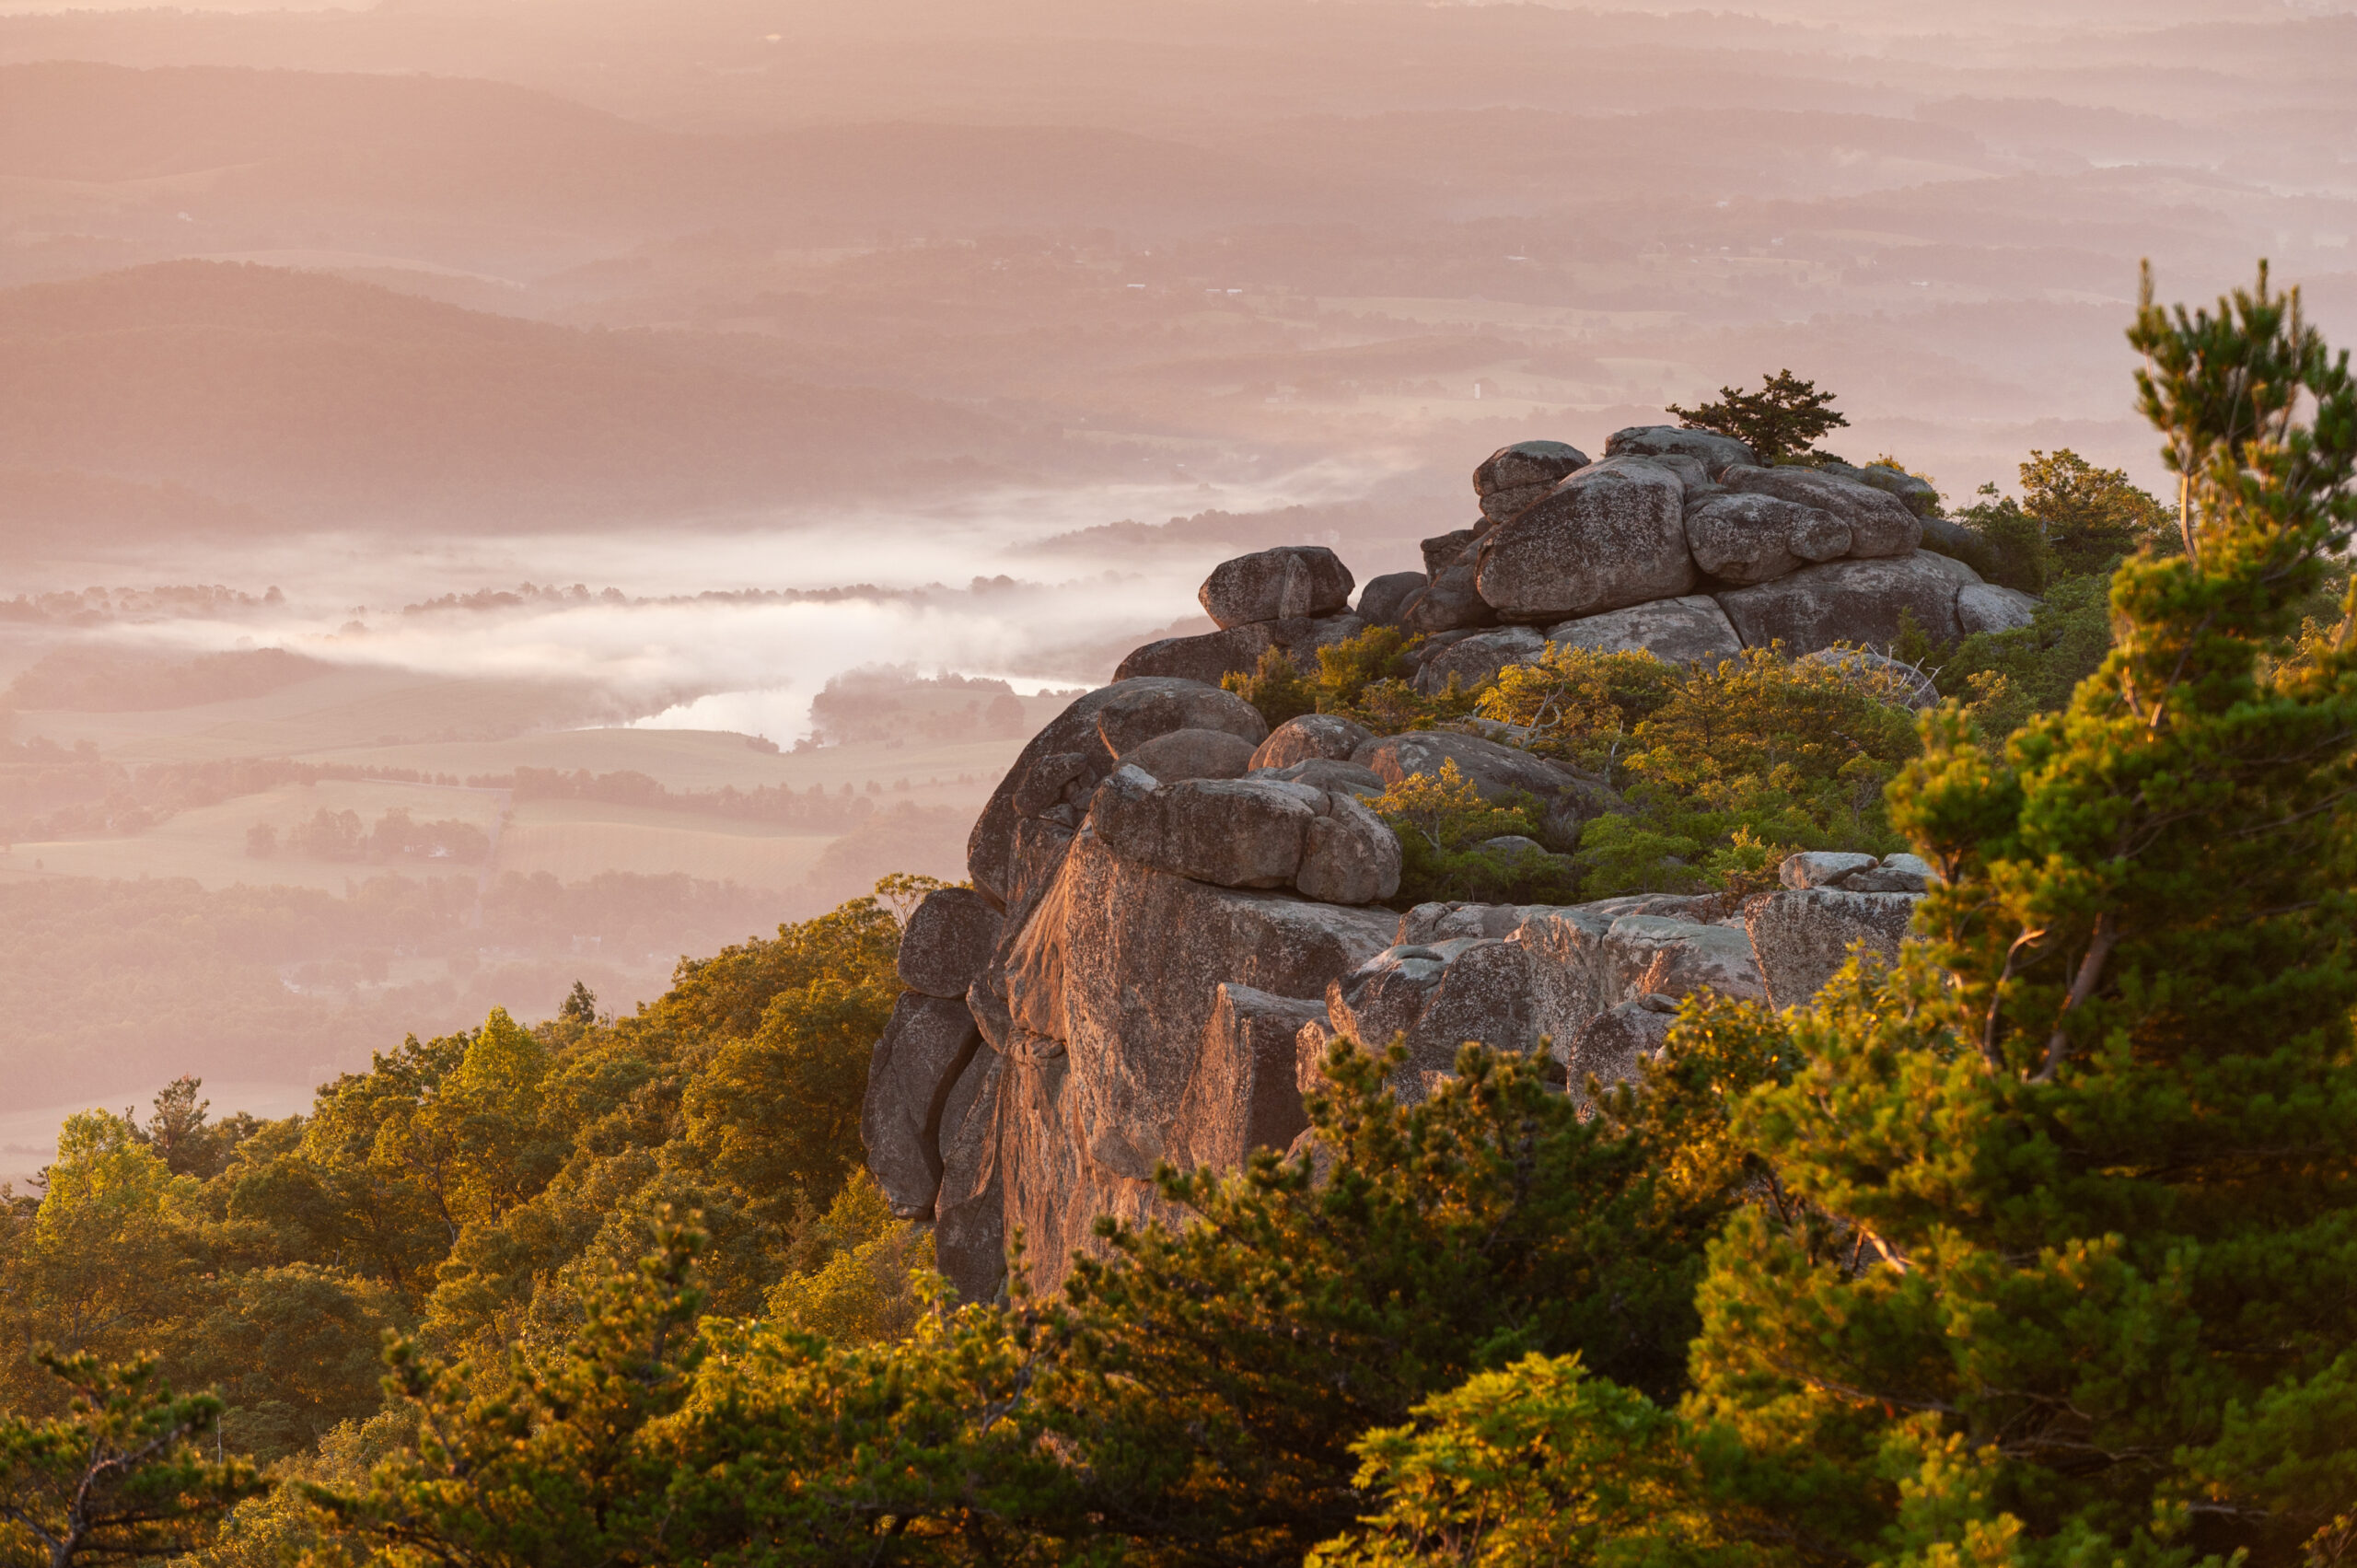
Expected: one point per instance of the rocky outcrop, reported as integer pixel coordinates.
(1175, 911)
(1245, 1094)
(1879, 524)
(1193, 754)
(1250, 833)
(1105, 993)
(1755, 538)
(1515, 478)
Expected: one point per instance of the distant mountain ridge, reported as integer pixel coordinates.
(325, 401)
(455, 144)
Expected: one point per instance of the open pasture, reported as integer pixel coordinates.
(208, 843)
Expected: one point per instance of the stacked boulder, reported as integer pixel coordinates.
(1297, 598)
(1174, 910)
(1677, 541)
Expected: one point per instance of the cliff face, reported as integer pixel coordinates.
(1174, 910)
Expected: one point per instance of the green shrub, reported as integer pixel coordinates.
(1442, 823)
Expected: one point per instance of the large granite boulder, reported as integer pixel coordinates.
(1802, 936)
(1675, 631)
(949, 937)
(1844, 602)
(1879, 524)
(1715, 452)
(1744, 539)
(1571, 798)
(1245, 1094)
(1195, 754)
(925, 1046)
(1512, 479)
(1382, 601)
(1288, 583)
(1310, 735)
(1055, 775)
(1237, 650)
(1249, 832)
(1985, 607)
(1479, 657)
(1612, 534)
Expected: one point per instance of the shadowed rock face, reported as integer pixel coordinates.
(1677, 631)
(1298, 580)
(1477, 658)
(925, 1046)
(1614, 1044)
(948, 940)
(1855, 601)
(1382, 600)
(1452, 601)
(1612, 534)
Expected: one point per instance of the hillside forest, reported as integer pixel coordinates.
(2028, 1249)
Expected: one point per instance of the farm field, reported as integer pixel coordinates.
(207, 843)
(575, 840)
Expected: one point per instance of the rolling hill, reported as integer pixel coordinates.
(298, 393)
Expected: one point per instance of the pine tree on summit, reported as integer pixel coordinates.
(2078, 1179)
(1781, 419)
